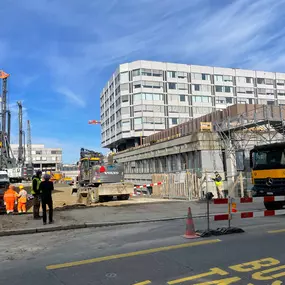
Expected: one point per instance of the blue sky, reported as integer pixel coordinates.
(60, 53)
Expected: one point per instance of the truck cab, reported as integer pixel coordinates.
(267, 164)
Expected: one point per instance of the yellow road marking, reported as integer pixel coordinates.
(213, 271)
(276, 231)
(143, 283)
(135, 253)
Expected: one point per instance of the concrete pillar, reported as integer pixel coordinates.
(168, 163)
(231, 173)
(178, 162)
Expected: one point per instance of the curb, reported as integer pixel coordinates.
(88, 225)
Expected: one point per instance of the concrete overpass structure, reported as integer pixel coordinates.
(189, 146)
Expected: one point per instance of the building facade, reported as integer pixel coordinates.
(144, 97)
(45, 159)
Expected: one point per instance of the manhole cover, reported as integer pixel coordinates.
(111, 275)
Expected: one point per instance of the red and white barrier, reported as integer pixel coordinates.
(148, 185)
(249, 200)
(247, 214)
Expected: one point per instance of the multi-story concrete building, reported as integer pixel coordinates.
(144, 97)
(43, 158)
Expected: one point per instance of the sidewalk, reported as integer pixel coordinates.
(100, 216)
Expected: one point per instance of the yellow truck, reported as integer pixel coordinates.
(267, 164)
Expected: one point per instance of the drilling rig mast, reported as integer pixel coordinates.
(30, 168)
(4, 151)
(20, 150)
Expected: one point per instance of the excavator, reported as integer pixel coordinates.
(100, 178)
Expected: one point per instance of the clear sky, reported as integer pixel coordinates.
(60, 53)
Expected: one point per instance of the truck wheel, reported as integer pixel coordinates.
(274, 205)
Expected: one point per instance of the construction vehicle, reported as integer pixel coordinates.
(100, 181)
(268, 173)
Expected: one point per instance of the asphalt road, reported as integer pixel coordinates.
(154, 253)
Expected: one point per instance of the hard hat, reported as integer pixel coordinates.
(21, 186)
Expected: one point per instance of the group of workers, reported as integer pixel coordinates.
(12, 198)
(41, 192)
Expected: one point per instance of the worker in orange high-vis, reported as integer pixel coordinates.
(10, 199)
(22, 200)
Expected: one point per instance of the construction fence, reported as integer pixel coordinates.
(193, 185)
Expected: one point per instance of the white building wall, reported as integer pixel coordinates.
(42, 156)
(130, 99)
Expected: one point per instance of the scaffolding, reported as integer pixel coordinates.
(258, 125)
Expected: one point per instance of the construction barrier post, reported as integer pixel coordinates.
(208, 215)
(230, 199)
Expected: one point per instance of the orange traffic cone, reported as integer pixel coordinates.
(190, 228)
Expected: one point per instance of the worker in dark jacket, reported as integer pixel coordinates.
(46, 188)
(35, 191)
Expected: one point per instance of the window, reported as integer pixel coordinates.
(181, 74)
(182, 98)
(229, 100)
(137, 85)
(228, 78)
(171, 74)
(269, 92)
(125, 98)
(280, 92)
(171, 85)
(182, 86)
(157, 85)
(219, 88)
(228, 89)
(205, 88)
(38, 152)
(125, 123)
(125, 110)
(147, 84)
(261, 91)
(148, 96)
(52, 152)
(137, 97)
(224, 100)
(136, 72)
(269, 81)
(248, 80)
(157, 73)
(245, 90)
(197, 76)
(178, 109)
(146, 72)
(280, 82)
(196, 87)
(125, 87)
(174, 121)
(260, 81)
(138, 121)
(218, 77)
(202, 99)
(205, 76)
(124, 77)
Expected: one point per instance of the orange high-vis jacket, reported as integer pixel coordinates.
(10, 196)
